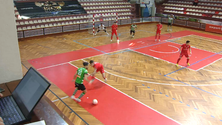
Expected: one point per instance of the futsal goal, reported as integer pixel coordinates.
(107, 19)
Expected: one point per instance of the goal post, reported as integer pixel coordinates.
(96, 19)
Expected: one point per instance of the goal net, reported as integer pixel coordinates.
(95, 20)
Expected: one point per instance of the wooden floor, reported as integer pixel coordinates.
(186, 104)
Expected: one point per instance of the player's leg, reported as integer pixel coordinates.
(76, 89)
(106, 31)
(156, 35)
(97, 31)
(188, 59)
(112, 36)
(93, 77)
(178, 60)
(168, 26)
(159, 34)
(102, 71)
(117, 37)
(83, 88)
(133, 33)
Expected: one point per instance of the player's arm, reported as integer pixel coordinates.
(86, 77)
(94, 72)
(161, 27)
(180, 49)
(74, 76)
(190, 50)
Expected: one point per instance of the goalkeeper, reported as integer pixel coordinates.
(102, 27)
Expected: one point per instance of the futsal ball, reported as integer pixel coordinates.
(95, 101)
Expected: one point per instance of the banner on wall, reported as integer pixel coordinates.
(213, 28)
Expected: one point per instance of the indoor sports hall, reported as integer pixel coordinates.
(144, 86)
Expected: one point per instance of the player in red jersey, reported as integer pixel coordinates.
(97, 67)
(114, 31)
(159, 27)
(184, 52)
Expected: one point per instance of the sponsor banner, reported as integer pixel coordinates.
(213, 28)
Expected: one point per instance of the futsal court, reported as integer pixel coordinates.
(144, 84)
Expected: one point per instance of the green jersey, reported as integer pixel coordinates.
(80, 75)
(170, 20)
(133, 27)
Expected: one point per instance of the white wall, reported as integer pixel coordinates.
(10, 62)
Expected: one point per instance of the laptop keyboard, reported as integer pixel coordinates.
(9, 111)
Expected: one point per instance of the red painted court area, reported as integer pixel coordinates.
(114, 106)
(170, 52)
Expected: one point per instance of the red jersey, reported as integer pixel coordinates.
(114, 27)
(97, 65)
(159, 26)
(185, 47)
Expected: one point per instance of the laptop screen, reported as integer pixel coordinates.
(30, 90)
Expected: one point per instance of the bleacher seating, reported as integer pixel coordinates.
(207, 9)
(105, 7)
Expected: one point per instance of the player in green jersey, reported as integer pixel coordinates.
(170, 22)
(132, 29)
(80, 75)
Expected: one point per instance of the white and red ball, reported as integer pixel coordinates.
(95, 101)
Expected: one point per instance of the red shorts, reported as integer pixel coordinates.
(184, 54)
(158, 32)
(101, 69)
(114, 32)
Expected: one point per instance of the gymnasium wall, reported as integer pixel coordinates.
(10, 62)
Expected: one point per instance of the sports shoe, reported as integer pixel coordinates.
(159, 40)
(78, 100)
(107, 33)
(118, 41)
(105, 79)
(176, 64)
(73, 97)
(132, 36)
(188, 64)
(111, 40)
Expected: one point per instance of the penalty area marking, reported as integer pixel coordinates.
(167, 52)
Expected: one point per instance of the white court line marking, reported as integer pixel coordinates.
(157, 83)
(209, 39)
(213, 71)
(209, 64)
(166, 52)
(159, 58)
(77, 59)
(192, 46)
(60, 98)
(133, 98)
(98, 55)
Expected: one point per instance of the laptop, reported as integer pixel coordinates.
(17, 108)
